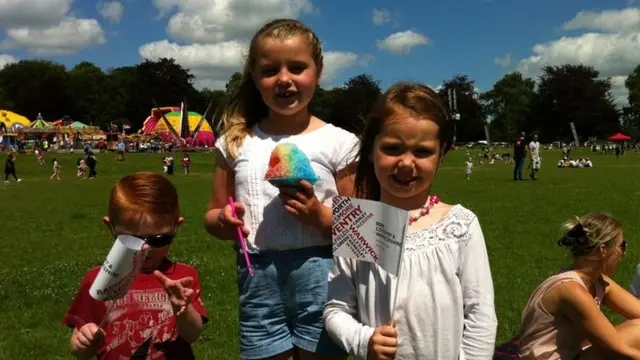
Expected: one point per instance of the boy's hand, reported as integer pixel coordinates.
(302, 203)
(226, 217)
(383, 343)
(89, 338)
(179, 291)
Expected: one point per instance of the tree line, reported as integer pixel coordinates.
(546, 106)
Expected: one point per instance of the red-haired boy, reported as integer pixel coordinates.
(162, 313)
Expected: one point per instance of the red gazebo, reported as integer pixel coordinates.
(619, 137)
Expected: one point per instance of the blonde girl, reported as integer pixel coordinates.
(288, 230)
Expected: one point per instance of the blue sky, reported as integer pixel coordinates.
(426, 41)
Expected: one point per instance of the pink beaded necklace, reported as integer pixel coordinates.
(424, 211)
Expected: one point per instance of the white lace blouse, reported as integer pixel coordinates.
(445, 304)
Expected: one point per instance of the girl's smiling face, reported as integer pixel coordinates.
(406, 155)
(286, 74)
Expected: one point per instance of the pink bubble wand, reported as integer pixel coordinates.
(243, 243)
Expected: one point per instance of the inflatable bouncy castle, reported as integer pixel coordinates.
(155, 125)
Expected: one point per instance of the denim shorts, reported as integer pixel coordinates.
(281, 305)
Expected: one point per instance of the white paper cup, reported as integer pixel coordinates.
(119, 269)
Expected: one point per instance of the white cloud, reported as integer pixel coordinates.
(619, 92)
(402, 42)
(380, 17)
(614, 52)
(112, 11)
(213, 64)
(45, 27)
(68, 37)
(626, 20)
(337, 61)
(6, 59)
(503, 61)
(204, 21)
(33, 13)
(217, 32)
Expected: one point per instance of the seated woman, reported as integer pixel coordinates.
(563, 320)
(588, 163)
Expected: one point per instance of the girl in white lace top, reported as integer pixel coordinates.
(445, 304)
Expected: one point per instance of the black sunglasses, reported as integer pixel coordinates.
(623, 247)
(154, 241)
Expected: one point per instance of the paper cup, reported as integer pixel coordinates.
(119, 269)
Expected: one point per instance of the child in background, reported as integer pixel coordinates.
(56, 170)
(445, 302)
(469, 165)
(186, 163)
(164, 299)
(288, 231)
(82, 168)
(39, 156)
(165, 165)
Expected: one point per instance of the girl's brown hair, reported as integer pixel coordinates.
(585, 234)
(401, 100)
(143, 194)
(246, 107)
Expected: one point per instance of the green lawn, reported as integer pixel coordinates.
(51, 233)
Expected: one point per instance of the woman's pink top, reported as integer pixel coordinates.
(544, 336)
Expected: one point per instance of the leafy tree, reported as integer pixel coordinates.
(348, 106)
(633, 85)
(470, 127)
(233, 83)
(87, 90)
(35, 86)
(163, 80)
(574, 93)
(508, 103)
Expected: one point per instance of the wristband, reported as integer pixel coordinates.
(219, 218)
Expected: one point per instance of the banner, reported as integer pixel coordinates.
(370, 231)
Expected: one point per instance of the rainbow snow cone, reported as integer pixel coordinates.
(287, 165)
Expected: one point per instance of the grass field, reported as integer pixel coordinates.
(51, 233)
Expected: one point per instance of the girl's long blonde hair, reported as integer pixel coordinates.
(246, 107)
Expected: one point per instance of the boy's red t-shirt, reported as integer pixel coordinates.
(141, 325)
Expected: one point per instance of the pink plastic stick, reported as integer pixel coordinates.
(243, 243)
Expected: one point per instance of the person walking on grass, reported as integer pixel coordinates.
(469, 165)
(10, 168)
(56, 170)
(519, 153)
(534, 156)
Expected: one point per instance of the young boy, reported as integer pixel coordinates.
(162, 313)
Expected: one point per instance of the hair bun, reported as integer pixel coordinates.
(576, 237)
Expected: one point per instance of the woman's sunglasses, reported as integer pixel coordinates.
(154, 241)
(623, 247)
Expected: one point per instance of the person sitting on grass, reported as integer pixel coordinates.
(563, 319)
(162, 312)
